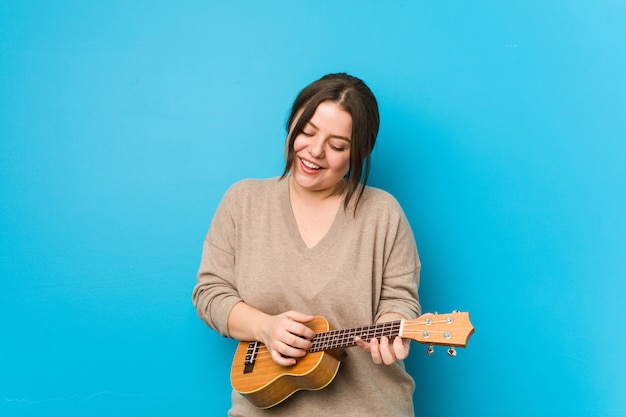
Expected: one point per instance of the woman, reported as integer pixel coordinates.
(317, 241)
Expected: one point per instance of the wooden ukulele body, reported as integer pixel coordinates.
(267, 383)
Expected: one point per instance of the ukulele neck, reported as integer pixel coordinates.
(339, 339)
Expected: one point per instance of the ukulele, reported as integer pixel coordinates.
(256, 376)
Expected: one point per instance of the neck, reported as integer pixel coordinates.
(339, 339)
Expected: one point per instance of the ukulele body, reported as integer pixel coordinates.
(263, 382)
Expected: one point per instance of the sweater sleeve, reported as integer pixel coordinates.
(401, 273)
(215, 292)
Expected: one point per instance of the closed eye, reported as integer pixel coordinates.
(337, 148)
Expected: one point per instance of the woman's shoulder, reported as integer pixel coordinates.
(380, 209)
(377, 198)
(252, 188)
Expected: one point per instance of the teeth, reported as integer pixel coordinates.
(310, 164)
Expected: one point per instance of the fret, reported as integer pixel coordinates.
(336, 339)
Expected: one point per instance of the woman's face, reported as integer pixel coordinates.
(322, 149)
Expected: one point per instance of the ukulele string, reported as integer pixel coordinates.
(413, 332)
(427, 322)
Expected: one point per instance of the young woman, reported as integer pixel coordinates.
(317, 241)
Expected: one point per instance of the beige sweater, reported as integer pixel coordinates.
(366, 265)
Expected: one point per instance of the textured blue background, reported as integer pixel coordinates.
(122, 124)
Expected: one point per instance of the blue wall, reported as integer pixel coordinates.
(122, 124)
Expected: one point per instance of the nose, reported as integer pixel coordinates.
(316, 147)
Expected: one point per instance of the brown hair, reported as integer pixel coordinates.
(355, 97)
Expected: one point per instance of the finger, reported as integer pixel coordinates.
(286, 355)
(282, 360)
(375, 351)
(386, 352)
(299, 317)
(296, 327)
(296, 334)
(290, 351)
(285, 335)
(296, 341)
(401, 348)
(362, 344)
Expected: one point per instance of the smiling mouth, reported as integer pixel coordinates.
(310, 164)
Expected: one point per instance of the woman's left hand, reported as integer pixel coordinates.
(383, 351)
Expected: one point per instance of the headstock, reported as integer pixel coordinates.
(451, 329)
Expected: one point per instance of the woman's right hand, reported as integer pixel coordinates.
(286, 336)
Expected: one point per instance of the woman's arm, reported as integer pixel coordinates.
(399, 296)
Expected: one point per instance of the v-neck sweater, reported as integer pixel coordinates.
(365, 266)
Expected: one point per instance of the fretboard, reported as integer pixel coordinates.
(338, 339)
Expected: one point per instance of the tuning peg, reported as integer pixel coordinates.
(430, 350)
(452, 351)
